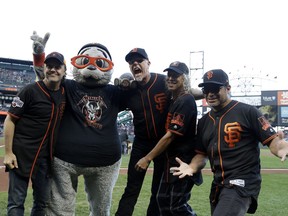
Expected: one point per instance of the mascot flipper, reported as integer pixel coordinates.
(38, 47)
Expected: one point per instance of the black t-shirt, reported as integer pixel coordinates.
(88, 132)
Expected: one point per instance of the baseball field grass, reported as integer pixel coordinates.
(272, 200)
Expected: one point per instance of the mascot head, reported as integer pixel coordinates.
(93, 65)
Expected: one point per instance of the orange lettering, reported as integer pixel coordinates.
(233, 133)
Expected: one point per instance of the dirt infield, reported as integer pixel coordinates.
(123, 171)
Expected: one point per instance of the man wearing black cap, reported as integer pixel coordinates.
(149, 102)
(229, 136)
(174, 193)
(30, 128)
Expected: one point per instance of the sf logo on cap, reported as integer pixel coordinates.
(209, 74)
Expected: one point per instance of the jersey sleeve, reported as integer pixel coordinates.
(182, 112)
(19, 102)
(261, 126)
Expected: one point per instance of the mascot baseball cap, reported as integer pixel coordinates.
(56, 55)
(98, 45)
(178, 67)
(216, 76)
(136, 52)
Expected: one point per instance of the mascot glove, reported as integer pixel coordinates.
(126, 81)
(39, 43)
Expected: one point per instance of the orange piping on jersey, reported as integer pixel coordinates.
(52, 134)
(152, 115)
(53, 130)
(219, 140)
(43, 90)
(269, 139)
(212, 118)
(46, 134)
(39, 149)
(215, 194)
(212, 149)
(212, 156)
(14, 116)
(145, 114)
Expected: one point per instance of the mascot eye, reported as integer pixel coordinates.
(85, 61)
(101, 63)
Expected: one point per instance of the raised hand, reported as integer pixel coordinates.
(39, 43)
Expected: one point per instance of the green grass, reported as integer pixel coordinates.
(267, 159)
(272, 200)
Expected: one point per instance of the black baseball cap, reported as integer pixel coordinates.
(136, 52)
(178, 67)
(55, 55)
(216, 76)
(98, 45)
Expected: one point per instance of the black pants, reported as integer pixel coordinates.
(225, 201)
(18, 186)
(173, 197)
(135, 181)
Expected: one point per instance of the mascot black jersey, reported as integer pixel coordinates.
(89, 126)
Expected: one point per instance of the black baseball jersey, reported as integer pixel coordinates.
(181, 120)
(89, 135)
(149, 104)
(38, 112)
(230, 138)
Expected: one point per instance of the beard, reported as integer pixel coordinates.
(138, 78)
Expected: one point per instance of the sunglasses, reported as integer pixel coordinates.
(50, 66)
(173, 75)
(212, 89)
(82, 61)
(138, 60)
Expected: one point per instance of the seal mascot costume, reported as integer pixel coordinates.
(88, 142)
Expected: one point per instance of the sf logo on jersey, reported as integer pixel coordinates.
(92, 108)
(160, 100)
(233, 133)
